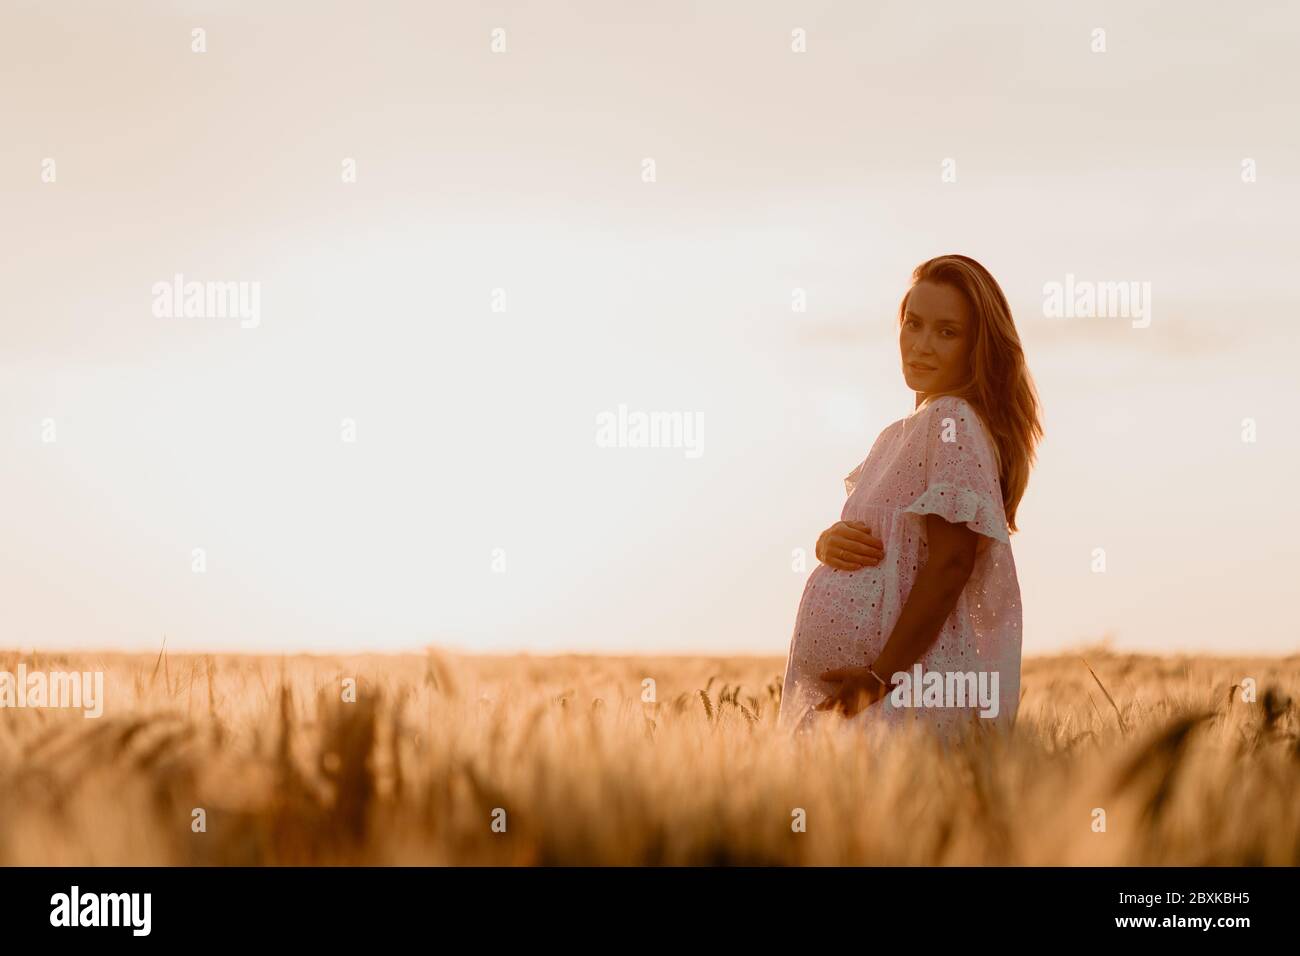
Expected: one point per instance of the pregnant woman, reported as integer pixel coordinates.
(919, 571)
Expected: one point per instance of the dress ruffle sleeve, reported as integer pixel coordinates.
(961, 473)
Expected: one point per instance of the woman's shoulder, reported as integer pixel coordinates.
(950, 405)
(965, 419)
(957, 408)
(932, 416)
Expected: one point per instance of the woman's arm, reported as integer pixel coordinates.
(934, 594)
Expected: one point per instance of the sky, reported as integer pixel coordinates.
(474, 229)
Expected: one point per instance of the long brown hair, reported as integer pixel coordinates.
(999, 385)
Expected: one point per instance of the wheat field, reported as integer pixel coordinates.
(440, 759)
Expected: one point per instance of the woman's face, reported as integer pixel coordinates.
(935, 339)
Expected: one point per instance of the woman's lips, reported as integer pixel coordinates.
(920, 368)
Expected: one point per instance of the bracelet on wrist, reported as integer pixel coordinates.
(871, 669)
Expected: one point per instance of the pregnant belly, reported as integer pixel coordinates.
(840, 615)
(838, 625)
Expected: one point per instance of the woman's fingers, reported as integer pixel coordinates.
(838, 557)
(861, 558)
(849, 546)
(839, 564)
(855, 540)
(858, 533)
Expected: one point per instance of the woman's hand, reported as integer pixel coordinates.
(858, 690)
(849, 546)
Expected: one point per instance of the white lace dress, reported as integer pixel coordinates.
(938, 460)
